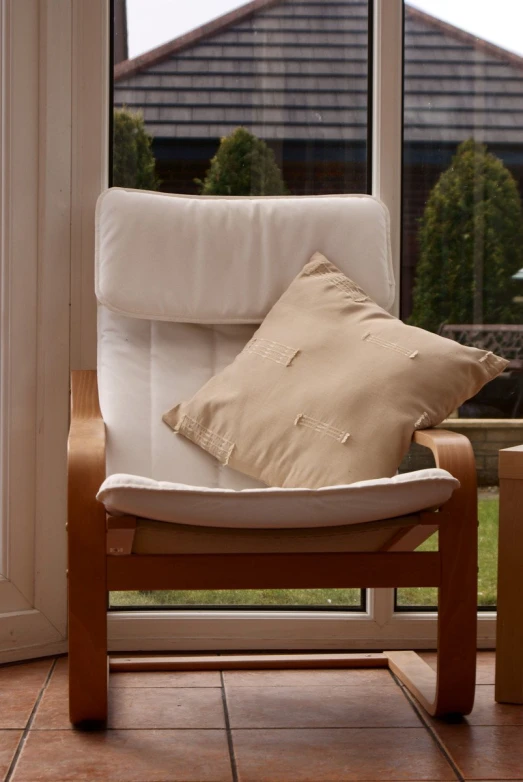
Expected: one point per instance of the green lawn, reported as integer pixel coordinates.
(251, 597)
(488, 547)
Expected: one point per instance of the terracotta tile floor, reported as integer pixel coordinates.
(267, 726)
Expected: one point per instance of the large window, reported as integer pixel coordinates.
(278, 99)
(296, 75)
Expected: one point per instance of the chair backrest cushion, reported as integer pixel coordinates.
(182, 281)
(145, 365)
(219, 260)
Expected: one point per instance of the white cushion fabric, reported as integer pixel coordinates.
(279, 508)
(205, 259)
(142, 366)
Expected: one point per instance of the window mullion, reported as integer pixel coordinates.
(386, 156)
(387, 109)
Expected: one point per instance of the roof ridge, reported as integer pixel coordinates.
(464, 37)
(185, 41)
(160, 53)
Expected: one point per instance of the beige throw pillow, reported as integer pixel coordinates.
(330, 389)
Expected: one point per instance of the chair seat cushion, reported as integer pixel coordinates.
(275, 507)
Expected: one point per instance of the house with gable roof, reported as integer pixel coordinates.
(296, 74)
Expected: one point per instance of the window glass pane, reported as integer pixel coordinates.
(267, 102)
(462, 265)
(294, 75)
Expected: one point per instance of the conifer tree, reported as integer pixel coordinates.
(133, 159)
(243, 165)
(471, 243)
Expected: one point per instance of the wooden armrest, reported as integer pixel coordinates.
(86, 445)
(449, 448)
(452, 452)
(86, 469)
(84, 395)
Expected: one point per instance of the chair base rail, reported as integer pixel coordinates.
(437, 698)
(411, 670)
(228, 662)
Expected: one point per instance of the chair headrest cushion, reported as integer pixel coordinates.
(205, 259)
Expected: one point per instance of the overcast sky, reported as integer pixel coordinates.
(153, 22)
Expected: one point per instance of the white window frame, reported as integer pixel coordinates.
(55, 79)
(35, 154)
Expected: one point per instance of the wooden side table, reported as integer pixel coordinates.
(509, 653)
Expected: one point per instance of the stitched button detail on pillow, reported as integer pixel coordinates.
(330, 388)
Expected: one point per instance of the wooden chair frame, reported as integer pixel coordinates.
(96, 567)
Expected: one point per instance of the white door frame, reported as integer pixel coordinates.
(50, 158)
(35, 195)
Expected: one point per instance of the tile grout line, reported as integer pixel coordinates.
(430, 730)
(262, 727)
(230, 744)
(29, 724)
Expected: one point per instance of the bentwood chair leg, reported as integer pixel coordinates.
(451, 689)
(88, 659)
(457, 624)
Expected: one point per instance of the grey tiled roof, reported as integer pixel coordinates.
(296, 69)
